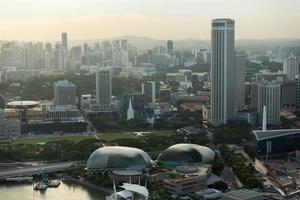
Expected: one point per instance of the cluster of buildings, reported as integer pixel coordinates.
(234, 100)
(59, 116)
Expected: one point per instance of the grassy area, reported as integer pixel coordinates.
(77, 138)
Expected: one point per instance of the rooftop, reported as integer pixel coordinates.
(241, 194)
(262, 135)
(64, 83)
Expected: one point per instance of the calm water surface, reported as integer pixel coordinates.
(66, 191)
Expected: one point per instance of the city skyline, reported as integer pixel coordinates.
(36, 20)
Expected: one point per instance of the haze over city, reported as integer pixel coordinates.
(33, 20)
(149, 99)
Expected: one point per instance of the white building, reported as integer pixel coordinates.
(291, 66)
(222, 71)
(269, 95)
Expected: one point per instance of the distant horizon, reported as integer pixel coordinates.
(70, 39)
(36, 20)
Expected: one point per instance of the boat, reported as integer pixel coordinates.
(40, 186)
(53, 183)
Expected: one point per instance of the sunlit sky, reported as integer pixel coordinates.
(161, 19)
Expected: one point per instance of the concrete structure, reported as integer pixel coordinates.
(170, 47)
(69, 112)
(239, 96)
(291, 66)
(103, 89)
(288, 94)
(148, 89)
(76, 54)
(64, 93)
(242, 194)
(222, 71)
(14, 74)
(10, 128)
(269, 95)
(248, 116)
(64, 41)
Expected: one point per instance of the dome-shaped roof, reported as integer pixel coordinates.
(181, 154)
(118, 157)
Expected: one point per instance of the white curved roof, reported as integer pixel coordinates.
(136, 189)
(125, 194)
(207, 154)
(99, 159)
(23, 103)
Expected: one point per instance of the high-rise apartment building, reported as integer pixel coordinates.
(103, 89)
(222, 71)
(64, 41)
(269, 95)
(170, 47)
(291, 66)
(148, 89)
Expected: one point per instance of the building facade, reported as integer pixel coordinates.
(64, 93)
(148, 89)
(103, 89)
(222, 71)
(239, 99)
(269, 95)
(291, 66)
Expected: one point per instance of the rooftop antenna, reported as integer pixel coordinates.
(264, 123)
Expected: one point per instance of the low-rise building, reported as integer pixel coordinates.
(10, 128)
(242, 194)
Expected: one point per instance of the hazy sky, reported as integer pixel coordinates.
(163, 19)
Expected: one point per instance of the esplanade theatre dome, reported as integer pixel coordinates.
(117, 157)
(182, 154)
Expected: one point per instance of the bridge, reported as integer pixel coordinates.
(31, 170)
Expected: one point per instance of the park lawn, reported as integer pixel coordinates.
(78, 138)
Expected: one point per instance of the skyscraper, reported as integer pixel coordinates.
(59, 56)
(103, 89)
(222, 71)
(64, 41)
(291, 66)
(148, 89)
(64, 93)
(239, 99)
(170, 46)
(269, 96)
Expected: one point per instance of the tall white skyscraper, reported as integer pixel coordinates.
(103, 89)
(222, 71)
(291, 66)
(239, 99)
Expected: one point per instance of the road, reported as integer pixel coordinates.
(31, 170)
